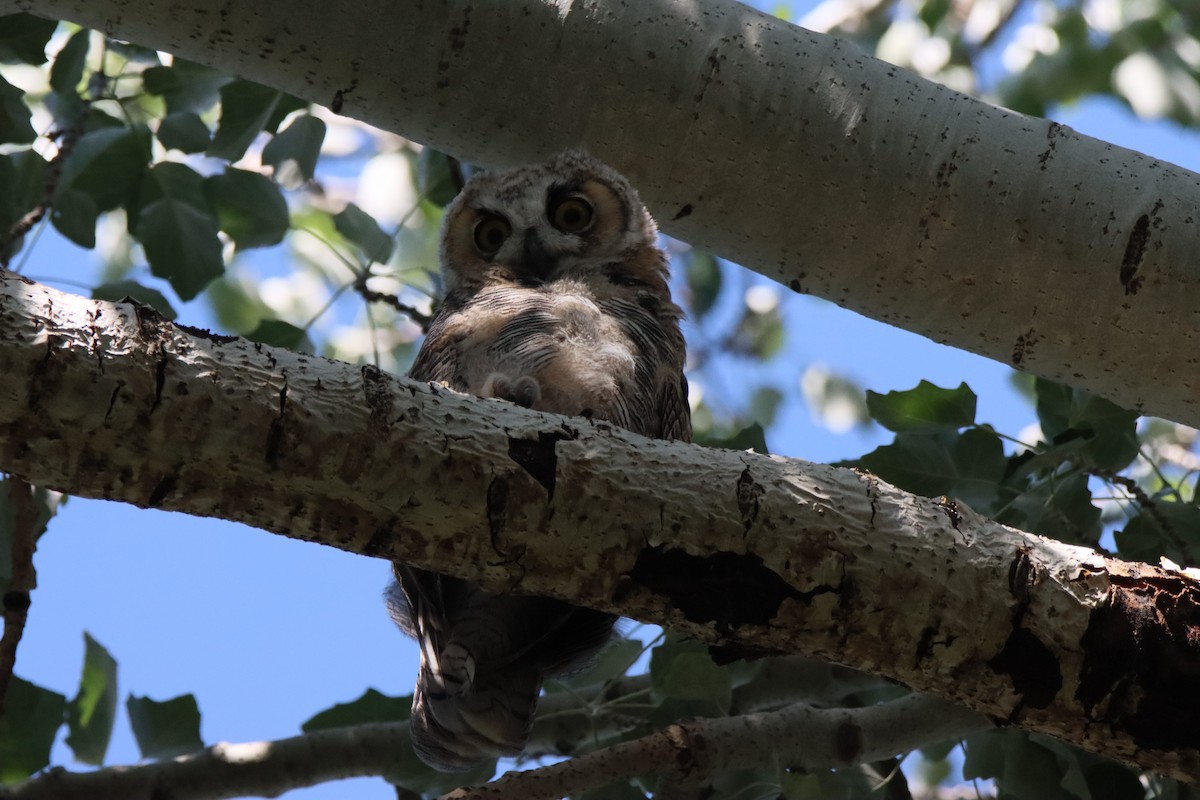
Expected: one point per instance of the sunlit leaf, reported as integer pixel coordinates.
(91, 714)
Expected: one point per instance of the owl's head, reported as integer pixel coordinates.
(565, 217)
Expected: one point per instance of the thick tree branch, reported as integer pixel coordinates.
(109, 400)
(799, 736)
(782, 149)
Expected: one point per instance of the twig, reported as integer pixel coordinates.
(24, 579)
(53, 172)
(360, 286)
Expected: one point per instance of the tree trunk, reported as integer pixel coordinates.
(760, 554)
(785, 150)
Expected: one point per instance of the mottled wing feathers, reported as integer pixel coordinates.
(557, 301)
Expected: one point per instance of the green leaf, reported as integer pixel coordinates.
(181, 244)
(1110, 431)
(925, 408)
(185, 85)
(682, 671)
(22, 183)
(32, 716)
(612, 662)
(249, 206)
(361, 228)
(246, 108)
(108, 165)
(921, 463)
(371, 707)
(177, 228)
(759, 335)
(90, 715)
(1170, 528)
(119, 291)
(133, 52)
(184, 131)
(751, 437)
(74, 215)
(277, 333)
(1113, 782)
(704, 279)
(67, 71)
(435, 177)
(293, 152)
(23, 38)
(980, 464)
(983, 756)
(165, 729)
(175, 181)
(764, 405)
(15, 127)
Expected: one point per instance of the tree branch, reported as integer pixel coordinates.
(796, 737)
(788, 151)
(799, 736)
(110, 400)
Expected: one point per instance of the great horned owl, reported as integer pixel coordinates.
(557, 300)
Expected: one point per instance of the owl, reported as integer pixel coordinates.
(556, 300)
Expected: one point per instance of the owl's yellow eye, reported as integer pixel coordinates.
(490, 233)
(572, 214)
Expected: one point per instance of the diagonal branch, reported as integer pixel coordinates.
(765, 554)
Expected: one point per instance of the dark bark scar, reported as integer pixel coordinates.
(1141, 660)
(1135, 251)
(1033, 668)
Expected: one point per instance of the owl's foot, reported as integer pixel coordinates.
(524, 390)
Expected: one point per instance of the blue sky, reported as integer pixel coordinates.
(266, 631)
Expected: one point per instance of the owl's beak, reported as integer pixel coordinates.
(535, 260)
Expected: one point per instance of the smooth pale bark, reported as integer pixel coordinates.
(763, 554)
(785, 150)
